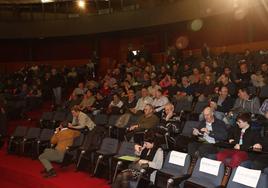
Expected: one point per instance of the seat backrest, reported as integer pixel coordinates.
(109, 145)
(46, 134)
(184, 105)
(176, 169)
(33, 132)
(94, 138)
(188, 128)
(264, 92)
(132, 120)
(47, 116)
(265, 170)
(206, 177)
(112, 120)
(20, 131)
(78, 141)
(69, 117)
(199, 106)
(262, 182)
(101, 119)
(126, 148)
(59, 116)
(252, 90)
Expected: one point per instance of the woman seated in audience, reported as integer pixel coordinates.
(153, 87)
(150, 155)
(116, 106)
(87, 102)
(165, 82)
(243, 138)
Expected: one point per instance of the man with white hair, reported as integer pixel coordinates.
(210, 130)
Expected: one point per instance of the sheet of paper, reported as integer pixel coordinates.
(128, 158)
(210, 166)
(177, 158)
(248, 177)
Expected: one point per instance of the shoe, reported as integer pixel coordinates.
(51, 173)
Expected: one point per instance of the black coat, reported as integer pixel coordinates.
(219, 130)
(226, 105)
(250, 138)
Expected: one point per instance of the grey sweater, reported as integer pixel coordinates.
(251, 105)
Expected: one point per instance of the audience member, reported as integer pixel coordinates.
(62, 138)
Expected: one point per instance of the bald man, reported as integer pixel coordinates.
(211, 130)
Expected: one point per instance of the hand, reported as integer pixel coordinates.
(133, 127)
(70, 125)
(169, 116)
(3, 110)
(138, 148)
(142, 161)
(257, 146)
(205, 130)
(238, 81)
(231, 140)
(237, 146)
(196, 132)
(57, 130)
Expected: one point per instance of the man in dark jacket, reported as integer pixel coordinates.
(210, 131)
(221, 104)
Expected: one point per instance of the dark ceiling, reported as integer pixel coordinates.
(29, 10)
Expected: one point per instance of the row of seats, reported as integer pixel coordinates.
(175, 172)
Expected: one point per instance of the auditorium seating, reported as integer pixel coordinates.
(173, 171)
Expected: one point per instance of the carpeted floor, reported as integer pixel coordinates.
(23, 172)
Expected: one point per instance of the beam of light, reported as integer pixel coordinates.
(262, 12)
(81, 4)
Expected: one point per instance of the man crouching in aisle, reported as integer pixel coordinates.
(62, 138)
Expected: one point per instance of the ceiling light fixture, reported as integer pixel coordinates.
(47, 1)
(81, 4)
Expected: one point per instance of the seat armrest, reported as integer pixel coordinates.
(179, 179)
(29, 139)
(72, 148)
(105, 154)
(146, 172)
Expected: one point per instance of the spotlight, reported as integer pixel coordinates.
(47, 1)
(81, 4)
(196, 24)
